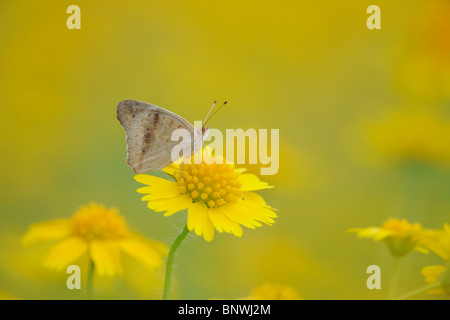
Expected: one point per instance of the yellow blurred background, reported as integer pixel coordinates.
(364, 133)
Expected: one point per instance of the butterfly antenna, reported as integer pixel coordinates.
(214, 103)
(214, 113)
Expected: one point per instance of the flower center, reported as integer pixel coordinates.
(96, 222)
(402, 228)
(213, 184)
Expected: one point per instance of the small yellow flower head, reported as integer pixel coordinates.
(99, 232)
(401, 236)
(96, 222)
(214, 185)
(217, 196)
(269, 291)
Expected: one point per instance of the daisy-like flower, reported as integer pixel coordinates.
(401, 236)
(99, 232)
(440, 243)
(217, 196)
(270, 291)
(439, 274)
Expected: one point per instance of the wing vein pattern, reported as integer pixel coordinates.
(148, 131)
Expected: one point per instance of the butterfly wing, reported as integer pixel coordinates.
(148, 134)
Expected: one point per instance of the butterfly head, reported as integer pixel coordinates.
(205, 131)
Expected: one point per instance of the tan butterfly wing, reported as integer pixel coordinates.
(148, 134)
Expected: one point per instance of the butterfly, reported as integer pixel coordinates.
(149, 130)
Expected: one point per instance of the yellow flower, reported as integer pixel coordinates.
(400, 236)
(216, 196)
(269, 291)
(439, 244)
(99, 232)
(423, 63)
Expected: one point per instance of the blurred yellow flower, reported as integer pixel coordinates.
(412, 136)
(101, 233)
(423, 62)
(440, 244)
(269, 291)
(217, 196)
(400, 236)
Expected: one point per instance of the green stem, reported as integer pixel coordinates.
(90, 279)
(395, 276)
(420, 290)
(173, 248)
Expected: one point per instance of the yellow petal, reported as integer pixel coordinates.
(46, 231)
(150, 180)
(157, 188)
(172, 168)
(65, 252)
(371, 232)
(255, 199)
(240, 170)
(260, 213)
(161, 194)
(447, 228)
(106, 257)
(431, 274)
(270, 291)
(421, 249)
(251, 182)
(222, 223)
(198, 220)
(160, 246)
(440, 249)
(247, 213)
(240, 216)
(143, 251)
(170, 205)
